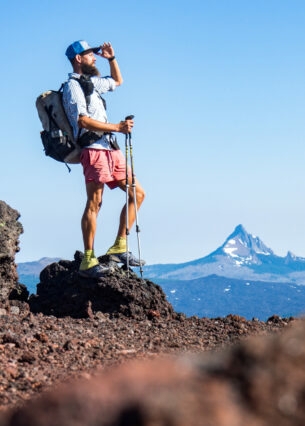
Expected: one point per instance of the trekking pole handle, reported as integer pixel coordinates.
(129, 117)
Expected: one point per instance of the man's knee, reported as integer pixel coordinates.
(140, 194)
(94, 197)
(94, 205)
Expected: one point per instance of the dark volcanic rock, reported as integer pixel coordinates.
(62, 292)
(10, 230)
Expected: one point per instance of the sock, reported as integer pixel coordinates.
(88, 261)
(119, 246)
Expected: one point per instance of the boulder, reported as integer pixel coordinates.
(62, 292)
(10, 230)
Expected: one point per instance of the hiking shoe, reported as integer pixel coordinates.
(96, 272)
(122, 258)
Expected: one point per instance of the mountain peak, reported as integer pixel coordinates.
(240, 229)
(244, 247)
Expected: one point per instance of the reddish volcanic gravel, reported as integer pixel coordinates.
(37, 351)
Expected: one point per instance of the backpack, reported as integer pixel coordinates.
(57, 137)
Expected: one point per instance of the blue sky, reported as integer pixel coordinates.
(217, 90)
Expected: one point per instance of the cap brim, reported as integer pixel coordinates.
(92, 49)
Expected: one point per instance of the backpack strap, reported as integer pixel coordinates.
(87, 87)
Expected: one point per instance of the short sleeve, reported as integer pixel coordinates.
(103, 84)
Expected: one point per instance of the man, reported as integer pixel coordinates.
(102, 161)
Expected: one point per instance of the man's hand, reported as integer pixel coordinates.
(107, 51)
(125, 126)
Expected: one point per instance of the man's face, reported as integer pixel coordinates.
(88, 64)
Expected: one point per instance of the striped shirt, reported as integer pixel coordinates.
(75, 105)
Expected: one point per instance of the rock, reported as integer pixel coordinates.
(259, 382)
(10, 230)
(62, 292)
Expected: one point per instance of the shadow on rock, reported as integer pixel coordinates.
(62, 292)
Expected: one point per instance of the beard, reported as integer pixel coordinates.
(90, 70)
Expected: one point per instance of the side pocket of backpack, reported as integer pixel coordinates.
(56, 145)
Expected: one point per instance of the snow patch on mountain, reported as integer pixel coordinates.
(242, 256)
(244, 248)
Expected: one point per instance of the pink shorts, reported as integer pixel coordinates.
(102, 166)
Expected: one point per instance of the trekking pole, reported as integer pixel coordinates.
(133, 185)
(127, 203)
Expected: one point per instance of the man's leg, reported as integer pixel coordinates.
(119, 245)
(140, 195)
(88, 223)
